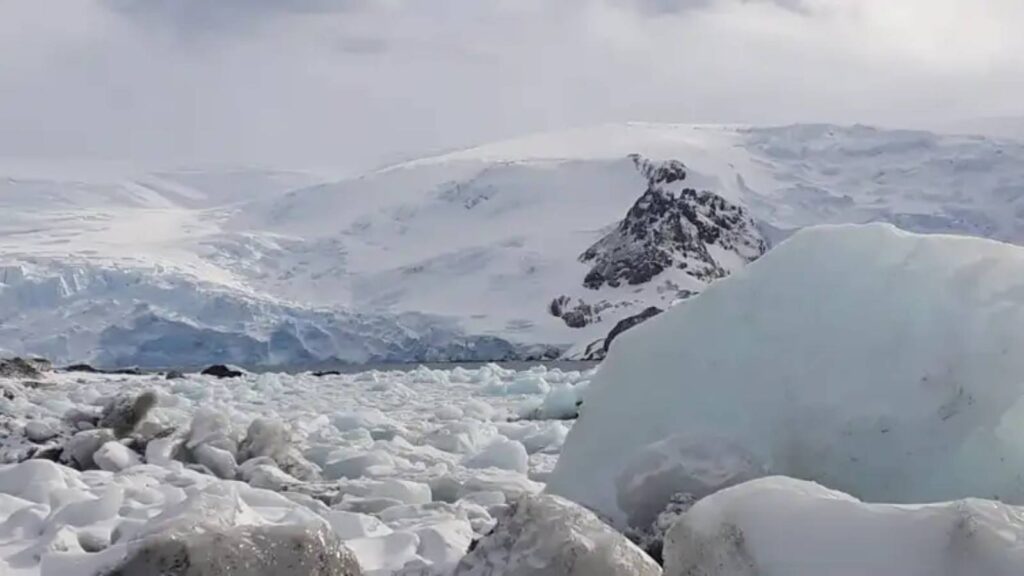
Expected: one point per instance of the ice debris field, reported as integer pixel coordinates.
(406, 468)
(850, 404)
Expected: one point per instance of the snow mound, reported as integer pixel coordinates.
(737, 532)
(550, 536)
(875, 361)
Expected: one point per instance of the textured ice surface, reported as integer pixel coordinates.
(877, 362)
(260, 460)
(783, 527)
(549, 536)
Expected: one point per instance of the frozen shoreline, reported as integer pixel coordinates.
(405, 466)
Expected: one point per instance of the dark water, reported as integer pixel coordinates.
(564, 365)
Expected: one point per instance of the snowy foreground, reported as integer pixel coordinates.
(407, 468)
(860, 358)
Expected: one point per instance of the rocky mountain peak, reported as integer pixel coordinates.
(687, 231)
(658, 173)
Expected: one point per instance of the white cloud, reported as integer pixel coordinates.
(356, 82)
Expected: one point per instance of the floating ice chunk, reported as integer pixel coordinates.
(549, 438)
(561, 403)
(547, 535)
(37, 480)
(114, 457)
(478, 409)
(368, 419)
(219, 461)
(212, 427)
(351, 525)
(90, 510)
(267, 476)
(460, 437)
(501, 453)
(242, 551)
(39, 431)
(783, 527)
(533, 383)
(79, 450)
(160, 451)
(448, 412)
(405, 491)
(487, 499)
(364, 505)
(385, 553)
(444, 543)
(369, 464)
(265, 437)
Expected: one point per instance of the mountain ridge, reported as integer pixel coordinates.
(484, 238)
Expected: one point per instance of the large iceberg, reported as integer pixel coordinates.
(881, 363)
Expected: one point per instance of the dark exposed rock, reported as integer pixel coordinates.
(10, 391)
(125, 412)
(245, 551)
(79, 450)
(89, 369)
(594, 351)
(579, 314)
(222, 371)
(652, 538)
(23, 368)
(82, 417)
(174, 375)
(627, 323)
(51, 453)
(664, 230)
(323, 373)
(85, 368)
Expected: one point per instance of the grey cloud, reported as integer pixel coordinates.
(311, 83)
(680, 6)
(197, 16)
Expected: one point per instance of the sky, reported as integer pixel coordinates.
(351, 84)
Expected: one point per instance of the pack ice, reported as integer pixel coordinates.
(877, 362)
(276, 474)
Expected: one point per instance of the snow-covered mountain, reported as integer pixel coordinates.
(466, 254)
(670, 245)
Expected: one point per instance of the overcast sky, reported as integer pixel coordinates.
(353, 83)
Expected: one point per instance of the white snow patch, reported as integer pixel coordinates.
(783, 527)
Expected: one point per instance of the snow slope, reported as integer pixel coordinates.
(874, 361)
(139, 270)
(492, 234)
(476, 244)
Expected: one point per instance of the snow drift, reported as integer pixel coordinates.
(874, 361)
(736, 533)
